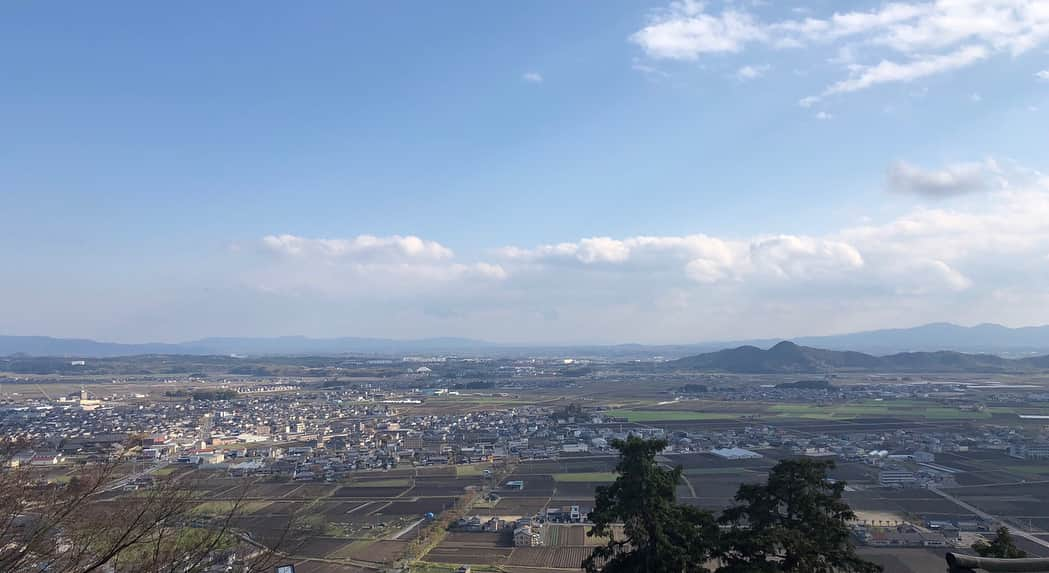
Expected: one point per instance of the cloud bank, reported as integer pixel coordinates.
(983, 256)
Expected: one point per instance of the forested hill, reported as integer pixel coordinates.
(790, 357)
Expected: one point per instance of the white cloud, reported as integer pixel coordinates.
(702, 258)
(363, 264)
(903, 41)
(942, 261)
(684, 32)
(532, 77)
(863, 77)
(926, 276)
(366, 247)
(975, 97)
(920, 253)
(1043, 75)
(803, 258)
(953, 180)
(752, 72)
(824, 116)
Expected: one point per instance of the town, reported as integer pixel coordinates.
(506, 453)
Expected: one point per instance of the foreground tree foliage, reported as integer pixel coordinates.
(658, 534)
(87, 525)
(1002, 546)
(795, 523)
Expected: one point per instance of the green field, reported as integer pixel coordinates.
(670, 415)
(901, 409)
(586, 476)
(470, 470)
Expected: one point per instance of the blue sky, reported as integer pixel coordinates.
(521, 172)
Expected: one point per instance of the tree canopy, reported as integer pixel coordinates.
(1001, 546)
(658, 534)
(797, 522)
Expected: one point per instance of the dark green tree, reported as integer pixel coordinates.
(795, 523)
(658, 535)
(1002, 546)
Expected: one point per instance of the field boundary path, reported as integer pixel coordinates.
(987, 516)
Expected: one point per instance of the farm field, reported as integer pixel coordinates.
(565, 547)
(873, 409)
(370, 519)
(356, 521)
(1024, 503)
(660, 415)
(364, 523)
(585, 477)
(703, 410)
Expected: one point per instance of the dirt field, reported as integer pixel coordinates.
(1026, 503)
(553, 557)
(906, 560)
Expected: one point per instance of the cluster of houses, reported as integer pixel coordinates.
(900, 535)
(524, 532)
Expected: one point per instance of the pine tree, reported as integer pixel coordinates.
(658, 534)
(796, 523)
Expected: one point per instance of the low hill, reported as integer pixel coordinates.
(787, 357)
(981, 338)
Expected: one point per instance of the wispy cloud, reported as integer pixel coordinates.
(649, 70)
(747, 73)
(532, 77)
(906, 40)
(886, 71)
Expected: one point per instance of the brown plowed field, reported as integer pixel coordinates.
(556, 557)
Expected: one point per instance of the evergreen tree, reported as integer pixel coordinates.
(1002, 546)
(796, 523)
(658, 534)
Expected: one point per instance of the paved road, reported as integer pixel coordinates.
(987, 516)
(128, 479)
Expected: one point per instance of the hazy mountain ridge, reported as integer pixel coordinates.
(48, 346)
(982, 338)
(788, 357)
(979, 339)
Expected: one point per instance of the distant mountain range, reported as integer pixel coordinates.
(48, 346)
(788, 357)
(988, 338)
(981, 339)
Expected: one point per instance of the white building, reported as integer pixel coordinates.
(735, 454)
(896, 478)
(527, 536)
